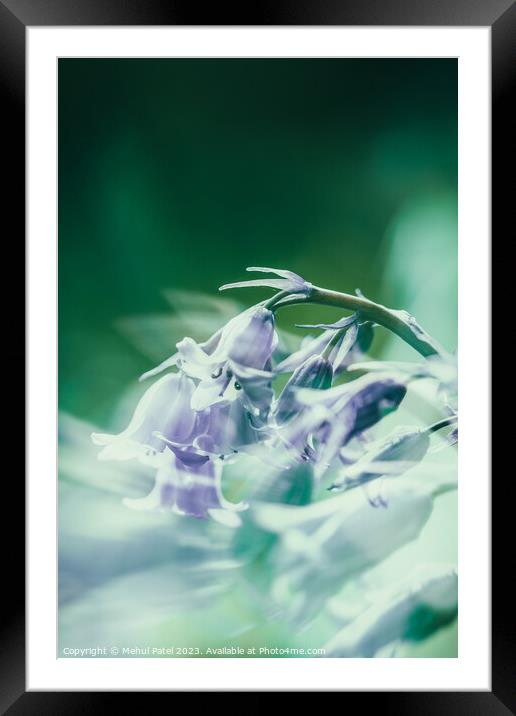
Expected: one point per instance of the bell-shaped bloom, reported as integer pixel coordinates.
(349, 410)
(248, 386)
(287, 281)
(226, 429)
(207, 346)
(315, 372)
(410, 613)
(248, 340)
(293, 440)
(164, 408)
(186, 483)
(391, 457)
(325, 544)
(441, 368)
(233, 363)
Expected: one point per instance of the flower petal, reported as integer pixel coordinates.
(255, 341)
(187, 484)
(168, 363)
(308, 348)
(343, 348)
(214, 390)
(165, 408)
(277, 283)
(288, 281)
(342, 323)
(392, 457)
(316, 373)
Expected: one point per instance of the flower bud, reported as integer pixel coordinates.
(316, 373)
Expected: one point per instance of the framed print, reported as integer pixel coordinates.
(258, 294)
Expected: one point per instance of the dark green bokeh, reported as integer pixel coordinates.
(180, 173)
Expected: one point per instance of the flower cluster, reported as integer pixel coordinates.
(219, 401)
(188, 422)
(215, 404)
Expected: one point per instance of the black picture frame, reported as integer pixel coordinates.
(15, 17)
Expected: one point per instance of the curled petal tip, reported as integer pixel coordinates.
(287, 281)
(337, 325)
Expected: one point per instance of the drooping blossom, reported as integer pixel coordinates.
(315, 372)
(442, 368)
(186, 483)
(226, 429)
(164, 408)
(232, 364)
(211, 408)
(390, 457)
(335, 416)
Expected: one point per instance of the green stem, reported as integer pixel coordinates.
(399, 322)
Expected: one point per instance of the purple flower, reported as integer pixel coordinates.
(340, 414)
(226, 429)
(363, 407)
(232, 364)
(164, 408)
(442, 368)
(166, 433)
(186, 483)
(391, 457)
(316, 373)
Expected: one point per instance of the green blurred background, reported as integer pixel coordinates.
(179, 173)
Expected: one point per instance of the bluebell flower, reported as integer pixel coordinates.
(232, 364)
(226, 429)
(346, 411)
(182, 444)
(315, 372)
(164, 408)
(294, 439)
(410, 612)
(187, 483)
(441, 368)
(390, 457)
